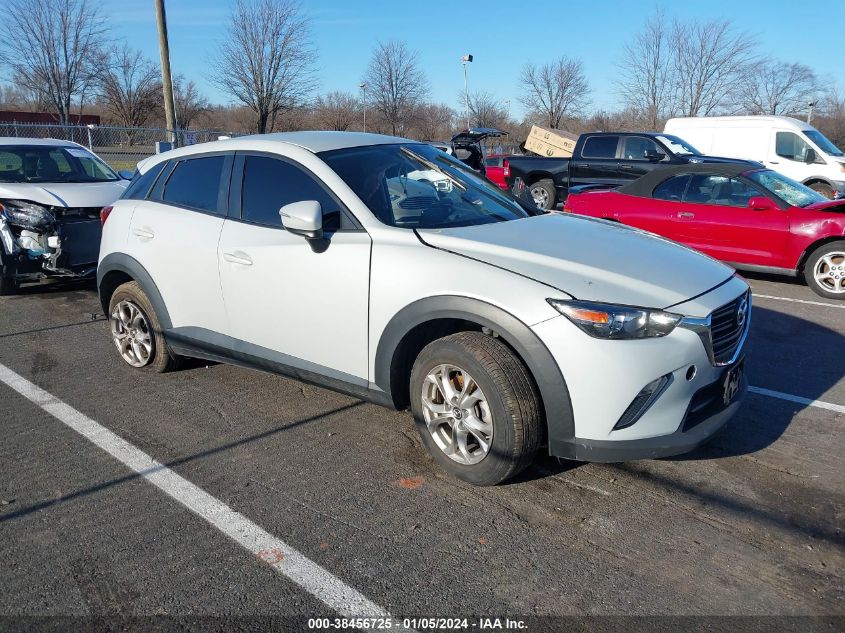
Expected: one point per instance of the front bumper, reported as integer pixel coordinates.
(605, 379)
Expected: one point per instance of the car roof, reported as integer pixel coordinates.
(645, 185)
(23, 141)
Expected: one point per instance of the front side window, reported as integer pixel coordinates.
(635, 148)
(48, 163)
(270, 183)
(195, 183)
(791, 192)
(672, 189)
(600, 147)
(416, 186)
(790, 145)
(142, 183)
(719, 190)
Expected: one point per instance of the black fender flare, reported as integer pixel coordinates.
(547, 375)
(132, 267)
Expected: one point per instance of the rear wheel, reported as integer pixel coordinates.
(825, 270)
(823, 188)
(476, 407)
(136, 330)
(543, 193)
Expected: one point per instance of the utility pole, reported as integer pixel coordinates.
(166, 83)
(363, 88)
(810, 107)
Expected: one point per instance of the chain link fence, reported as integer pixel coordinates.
(120, 147)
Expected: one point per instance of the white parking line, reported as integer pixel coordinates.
(788, 396)
(812, 303)
(279, 555)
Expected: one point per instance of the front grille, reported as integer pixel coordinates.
(727, 327)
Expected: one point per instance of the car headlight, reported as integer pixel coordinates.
(26, 214)
(602, 320)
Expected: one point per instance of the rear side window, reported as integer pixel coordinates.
(600, 147)
(142, 183)
(672, 189)
(270, 183)
(195, 183)
(494, 162)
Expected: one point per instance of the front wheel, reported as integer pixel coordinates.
(823, 188)
(136, 330)
(825, 270)
(476, 407)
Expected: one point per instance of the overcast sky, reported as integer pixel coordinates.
(502, 36)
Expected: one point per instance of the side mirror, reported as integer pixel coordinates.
(125, 174)
(303, 218)
(762, 203)
(810, 156)
(653, 155)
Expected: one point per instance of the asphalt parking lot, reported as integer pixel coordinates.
(751, 524)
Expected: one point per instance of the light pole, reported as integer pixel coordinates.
(363, 88)
(466, 59)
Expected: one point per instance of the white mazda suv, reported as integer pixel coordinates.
(387, 269)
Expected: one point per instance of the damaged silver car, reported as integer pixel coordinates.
(51, 196)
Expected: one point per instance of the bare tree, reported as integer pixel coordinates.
(51, 47)
(555, 90)
(336, 110)
(189, 102)
(647, 82)
(779, 88)
(432, 122)
(129, 86)
(266, 60)
(485, 110)
(395, 83)
(711, 62)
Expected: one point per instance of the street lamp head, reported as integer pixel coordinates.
(362, 86)
(466, 59)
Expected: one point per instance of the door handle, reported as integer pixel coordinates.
(583, 165)
(144, 232)
(686, 214)
(238, 257)
(626, 166)
(774, 162)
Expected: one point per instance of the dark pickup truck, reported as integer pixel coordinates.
(600, 158)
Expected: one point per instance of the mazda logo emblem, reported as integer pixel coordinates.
(742, 313)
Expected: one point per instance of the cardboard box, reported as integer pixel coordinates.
(549, 142)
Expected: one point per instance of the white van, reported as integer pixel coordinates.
(789, 146)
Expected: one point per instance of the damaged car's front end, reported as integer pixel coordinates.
(40, 241)
(51, 195)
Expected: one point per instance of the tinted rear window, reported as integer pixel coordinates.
(195, 183)
(672, 189)
(142, 183)
(600, 147)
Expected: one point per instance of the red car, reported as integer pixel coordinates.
(754, 219)
(495, 168)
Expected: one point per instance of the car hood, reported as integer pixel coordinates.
(68, 194)
(588, 259)
(721, 159)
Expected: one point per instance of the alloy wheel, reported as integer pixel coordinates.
(540, 197)
(829, 272)
(457, 414)
(132, 333)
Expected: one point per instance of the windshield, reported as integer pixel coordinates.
(678, 146)
(51, 163)
(417, 186)
(824, 144)
(791, 192)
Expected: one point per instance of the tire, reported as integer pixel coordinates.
(136, 330)
(543, 194)
(823, 188)
(824, 270)
(508, 406)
